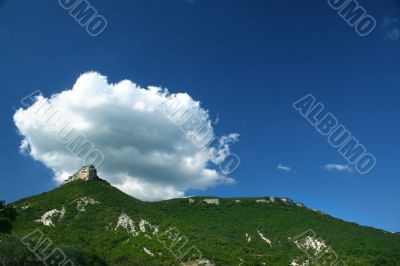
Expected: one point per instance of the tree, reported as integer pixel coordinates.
(7, 217)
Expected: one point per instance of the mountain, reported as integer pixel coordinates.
(93, 223)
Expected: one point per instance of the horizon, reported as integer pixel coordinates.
(227, 198)
(217, 197)
(231, 99)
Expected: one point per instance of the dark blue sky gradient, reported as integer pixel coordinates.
(247, 62)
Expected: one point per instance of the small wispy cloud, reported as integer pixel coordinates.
(216, 120)
(284, 167)
(338, 167)
(391, 28)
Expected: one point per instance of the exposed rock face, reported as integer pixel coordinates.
(83, 202)
(272, 199)
(212, 201)
(262, 201)
(46, 218)
(86, 173)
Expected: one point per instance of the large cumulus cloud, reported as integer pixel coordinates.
(145, 153)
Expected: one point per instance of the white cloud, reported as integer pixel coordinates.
(146, 154)
(283, 167)
(338, 167)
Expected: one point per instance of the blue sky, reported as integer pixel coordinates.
(247, 62)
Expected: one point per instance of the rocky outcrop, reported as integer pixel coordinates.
(212, 201)
(86, 173)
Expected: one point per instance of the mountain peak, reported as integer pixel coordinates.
(263, 230)
(85, 173)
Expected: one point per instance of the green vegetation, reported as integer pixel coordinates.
(7, 217)
(91, 237)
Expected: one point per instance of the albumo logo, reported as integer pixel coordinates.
(355, 15)
(86, 15)
(338, 136)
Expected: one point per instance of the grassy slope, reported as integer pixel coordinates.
(218, 231)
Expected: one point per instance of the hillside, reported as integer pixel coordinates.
(94, 223)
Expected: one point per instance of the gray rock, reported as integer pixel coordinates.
(86, 173)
